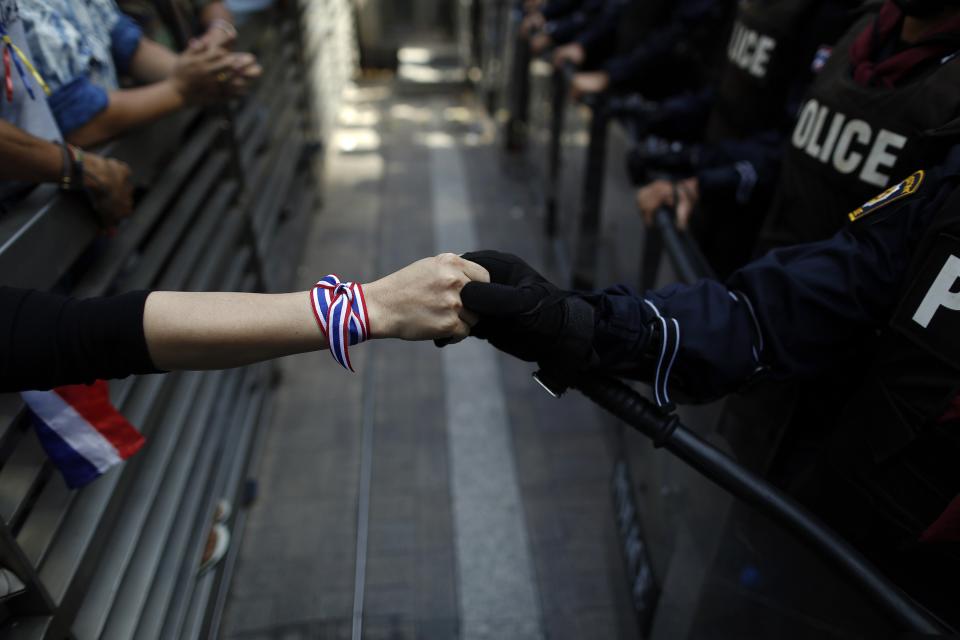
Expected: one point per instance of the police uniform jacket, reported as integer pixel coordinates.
(888, 281)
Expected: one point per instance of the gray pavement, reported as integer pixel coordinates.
(487, 519)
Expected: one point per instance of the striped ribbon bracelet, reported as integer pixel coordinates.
(341, 311)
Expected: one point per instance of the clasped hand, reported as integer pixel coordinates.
(206, 73)
(490, 295)
(422, 301)
(522, 313)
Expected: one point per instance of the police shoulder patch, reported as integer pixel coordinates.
(891, 195)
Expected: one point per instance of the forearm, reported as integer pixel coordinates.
(126, 109)
(697, 341)
(26, 158)
(563, 30)
(49, 340)
(221, 330)
(633, 66)
(683, 117)
(152, 62)
(603, 27)
(217, 330)
(559, 8)
(735, 173)
(215, 11)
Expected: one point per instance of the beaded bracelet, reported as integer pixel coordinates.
(71, 174)
(341, 312)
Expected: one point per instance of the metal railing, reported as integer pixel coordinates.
(665, 430)
(689, 264)
(227, 198)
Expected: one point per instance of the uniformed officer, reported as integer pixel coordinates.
(677, 54)
(877, 301)
(886, 102)
(774, 50)
(558, 22)
(597, 39)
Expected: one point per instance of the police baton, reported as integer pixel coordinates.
(666, 430)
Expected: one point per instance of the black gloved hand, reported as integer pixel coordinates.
(525, 315)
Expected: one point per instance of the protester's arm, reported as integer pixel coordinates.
(217, 19)
(215, 11)
(125, 109)
(26, 158)
(50, 340)
(218, 330)
(200, 74)
(152, 62)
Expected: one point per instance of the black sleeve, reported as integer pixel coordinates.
(688, 18)
(48, 340)
(556, 9)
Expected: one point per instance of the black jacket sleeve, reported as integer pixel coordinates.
(732, 172)
(48, 340)
(791, 314)
(556, 9)
(686, 17)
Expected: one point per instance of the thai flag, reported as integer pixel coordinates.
(81, 431)
(820, 58)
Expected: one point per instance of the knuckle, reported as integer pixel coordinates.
(450, 326)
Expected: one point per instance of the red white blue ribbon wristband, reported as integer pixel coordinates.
(341, 311)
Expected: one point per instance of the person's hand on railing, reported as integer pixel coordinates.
(245, 70)
(588, 83)
(205, 74)
(540, 42)
(681, 196)
(108, 185)
(220, 33)
(532, 24)
(572, 53)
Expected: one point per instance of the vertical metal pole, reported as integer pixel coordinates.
(558, 103)
(520, 100)
(650, 258)
(229, 134)
(585, 262)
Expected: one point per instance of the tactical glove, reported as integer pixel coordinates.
(525, 315)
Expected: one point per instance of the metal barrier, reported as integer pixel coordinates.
(560, 86)
(666, 430)
(591, 198)
(518, 91)
(227, 199)
(688, 262)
